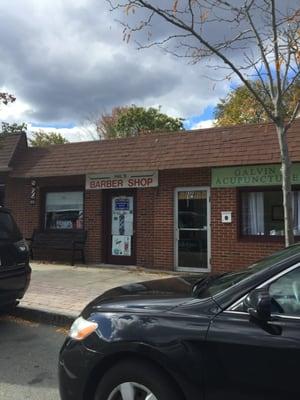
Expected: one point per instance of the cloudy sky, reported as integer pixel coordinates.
(65, 60)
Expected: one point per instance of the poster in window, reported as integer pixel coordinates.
(122, 224)
(121, 245)
(122, 216)
(64, 224)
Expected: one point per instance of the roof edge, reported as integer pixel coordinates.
(22, 136)
(162, 133)
(83, 174)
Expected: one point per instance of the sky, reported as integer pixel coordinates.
(66, 62)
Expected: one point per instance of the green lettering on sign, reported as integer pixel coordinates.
(255, 175)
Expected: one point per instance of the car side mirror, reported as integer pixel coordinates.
(258, 305)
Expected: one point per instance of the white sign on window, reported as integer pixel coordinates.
(121, 245)
(122, 180)
(122, 215)
(62, 201)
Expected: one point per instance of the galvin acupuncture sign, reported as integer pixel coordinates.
(255, 175)
(122, 180)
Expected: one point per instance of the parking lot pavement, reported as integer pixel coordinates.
(28, 360)
(65, 290)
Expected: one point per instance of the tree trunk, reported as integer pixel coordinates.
(286, 171)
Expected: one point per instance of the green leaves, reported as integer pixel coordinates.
(43, 139)
(7, 128)
(133, 120)
(240, 106)
(12, 129)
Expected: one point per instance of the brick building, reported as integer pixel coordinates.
(207, 200)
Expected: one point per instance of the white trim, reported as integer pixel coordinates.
(231, 309)
(192, 189)
(277, 317)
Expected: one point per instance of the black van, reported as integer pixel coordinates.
(14, 261)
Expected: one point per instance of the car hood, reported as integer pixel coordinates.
(155, 295)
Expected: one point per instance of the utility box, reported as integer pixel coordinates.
(226, 217)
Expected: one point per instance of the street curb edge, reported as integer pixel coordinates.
(42, 316)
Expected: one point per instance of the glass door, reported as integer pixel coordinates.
(121, 228)
(192, 229)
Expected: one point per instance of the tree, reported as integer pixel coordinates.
(251, 39)
(133, 120)
(241, 107)
(6, 98)
(12, 129)
(7, 128)
(43, 139)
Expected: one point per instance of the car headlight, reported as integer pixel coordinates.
(22, 245)
(82, 328)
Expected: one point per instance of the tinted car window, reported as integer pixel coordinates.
(8, 228)
(216, 284)
(286, 293)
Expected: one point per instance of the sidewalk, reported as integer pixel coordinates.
(65, 290)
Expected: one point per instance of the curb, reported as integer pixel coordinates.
(43, 316)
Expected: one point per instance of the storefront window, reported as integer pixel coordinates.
(262, 213)
(64, 210)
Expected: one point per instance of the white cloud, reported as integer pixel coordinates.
(74, 134)
(209, 123)
(65, 60)
(68, 60)
(16, 111)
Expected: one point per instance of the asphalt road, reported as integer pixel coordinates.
(28, 360)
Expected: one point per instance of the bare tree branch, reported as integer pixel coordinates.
(293, 117)
(262, 49)
(263, 33)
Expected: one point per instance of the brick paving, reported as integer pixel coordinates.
(65, 290)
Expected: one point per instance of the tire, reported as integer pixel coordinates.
(145, 380)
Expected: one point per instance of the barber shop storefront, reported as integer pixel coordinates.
(120, 202)
(201, 201)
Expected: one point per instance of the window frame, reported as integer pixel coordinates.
(258, 238)
(232, 308)
(2, 189)
(59, 189)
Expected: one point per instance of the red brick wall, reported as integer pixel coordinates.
(155, 220)
(145, 199)
(17, 198)
(93, 217)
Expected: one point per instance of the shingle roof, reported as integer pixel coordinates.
(8, 146)
(239, 145)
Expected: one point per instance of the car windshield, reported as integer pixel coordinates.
(212, 285)
(8, 228)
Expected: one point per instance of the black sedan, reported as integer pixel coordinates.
(230, 336)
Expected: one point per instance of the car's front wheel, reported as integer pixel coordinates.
(135, 380)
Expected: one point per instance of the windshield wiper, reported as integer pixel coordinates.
(201, 283)
(205, 281)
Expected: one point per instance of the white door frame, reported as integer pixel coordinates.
(192, 189)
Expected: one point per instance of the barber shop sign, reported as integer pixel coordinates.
(122, 180)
